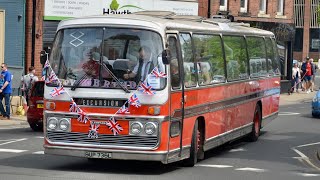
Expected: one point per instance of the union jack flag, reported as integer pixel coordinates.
(123, 110)
(52, 77)
(83, 118)
(134, 101)
(114, 126)
(57, 91)
(157, 73)
(46, 65)
(146, 89)
(93, 132)
(73, 107)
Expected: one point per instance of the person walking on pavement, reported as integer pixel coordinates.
(314, 70)
(5, 91)
(295, 77)
(26, 83)
(308, 72)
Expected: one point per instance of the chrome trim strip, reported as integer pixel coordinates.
(227, 136)
(267, 119)
(226, 103)
(103, 150)
(116, 154)
(103, 146)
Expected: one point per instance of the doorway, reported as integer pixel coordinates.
(2, 29)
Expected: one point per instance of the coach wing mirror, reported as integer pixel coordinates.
(166, 56)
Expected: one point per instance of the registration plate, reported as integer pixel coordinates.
(39, 105)
(100, 155)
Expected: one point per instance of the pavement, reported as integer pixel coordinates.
(14, 120)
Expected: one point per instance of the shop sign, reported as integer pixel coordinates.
(62, 9)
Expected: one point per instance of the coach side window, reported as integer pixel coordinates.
(257, 56)
(174, 65)
(276, 61)
(236, 56)
(188, 63)
(270, 56)
(209, 57)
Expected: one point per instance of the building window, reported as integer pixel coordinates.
(244, 6)
(223, 5)
(280, 7)
(263, 6)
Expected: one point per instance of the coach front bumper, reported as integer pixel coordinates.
(115, 154)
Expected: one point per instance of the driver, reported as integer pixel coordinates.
(144, 66)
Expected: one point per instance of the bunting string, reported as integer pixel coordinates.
(111, 123)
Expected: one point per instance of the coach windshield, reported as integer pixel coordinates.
(102, 57)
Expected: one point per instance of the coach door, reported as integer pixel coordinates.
(176, 97)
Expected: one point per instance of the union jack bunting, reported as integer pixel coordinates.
(114, 126)
(93, 132)
(134, 101)
(157, 73)
(83, 118)
(52, 77)
(46, 65)
(123, 110)
(146, 89)
(57, 91)
(73, 107)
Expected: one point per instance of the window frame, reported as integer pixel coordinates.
(281, 7)
(265, 53)
(180, 63)
(192, 60)
(223, 7)
(243, 36)
(223, 56)
(245, 8)
(263, 4)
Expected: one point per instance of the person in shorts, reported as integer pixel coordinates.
(308, 71)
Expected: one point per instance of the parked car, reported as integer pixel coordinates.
(316, 105)
(35, 110)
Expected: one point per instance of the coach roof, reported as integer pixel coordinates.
(161, 23)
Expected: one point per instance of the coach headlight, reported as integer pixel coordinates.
(136, 128)
(52, 124)
(64, 124)
(150, 128)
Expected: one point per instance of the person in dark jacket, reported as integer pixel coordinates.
(307, 69)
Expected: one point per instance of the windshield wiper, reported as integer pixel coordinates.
(115, 78)
(77, 83)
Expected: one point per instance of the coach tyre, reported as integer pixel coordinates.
(192, 160)
(254, 135)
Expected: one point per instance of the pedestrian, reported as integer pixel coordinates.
(314, 69)
(308, 72)
(26, 83)
(295, 77)
(5, 92)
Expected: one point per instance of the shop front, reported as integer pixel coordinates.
(54, 11)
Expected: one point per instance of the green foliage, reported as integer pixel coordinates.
(114, 5)
(318, 13)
